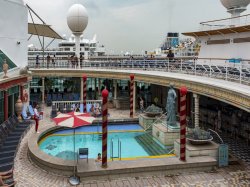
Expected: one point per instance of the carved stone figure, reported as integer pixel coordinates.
(5, 68)
(170, 107)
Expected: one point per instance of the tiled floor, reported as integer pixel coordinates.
(27, 174)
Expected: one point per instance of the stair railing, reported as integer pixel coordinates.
(163, 115)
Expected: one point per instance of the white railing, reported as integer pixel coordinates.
(226, 23)
(234, 70)
(71, 104)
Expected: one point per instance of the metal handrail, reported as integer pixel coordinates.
(119, 149)
(217, 135)
(155, 121)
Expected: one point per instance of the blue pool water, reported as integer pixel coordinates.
(60, 144)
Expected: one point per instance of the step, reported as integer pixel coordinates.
(12, 138)
(6, 166)
(8, 148)
(149, 143)
(154, 144)
(7, 153)
(147, 147)
(6, 159)
(18, 133)
(11, 142)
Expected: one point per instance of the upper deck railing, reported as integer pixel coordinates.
(235, 70)
(226, 23)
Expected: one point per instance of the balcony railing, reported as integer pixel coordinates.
(235, 70)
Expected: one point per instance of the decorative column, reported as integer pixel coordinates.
(84, 93)
(134, 97)
(43, 91)
(183, 121)
(115, 89)
(196, 109)
(131, 95)
(21, 92)
(5, 93)
(81, 94)
(105, 94)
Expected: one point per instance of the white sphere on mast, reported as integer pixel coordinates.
(77, 18)
(235, 7)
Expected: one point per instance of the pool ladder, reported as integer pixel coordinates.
(112, 150)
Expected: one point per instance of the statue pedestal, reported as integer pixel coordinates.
(146, 122)
(210, 149)
(166, 134)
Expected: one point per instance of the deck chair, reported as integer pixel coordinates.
(83, 153)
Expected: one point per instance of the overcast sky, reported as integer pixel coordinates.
(131, 25)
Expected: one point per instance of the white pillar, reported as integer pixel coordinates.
(43, 91)
(81, 90)
(115, 89)
(77, 46)
(196, 109)
(134, 98)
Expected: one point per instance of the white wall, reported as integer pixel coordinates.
(13, 29)
(232, 50)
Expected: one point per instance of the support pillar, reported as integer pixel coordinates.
(43, 91)
(183, 121)
(132, 95)
(13, 104)
(105, 94)
(95, 89)
(99, 87)
(196, 109)
(115, 89)
(21, 92)
(81, 90)
(5, 93)
(84, 93)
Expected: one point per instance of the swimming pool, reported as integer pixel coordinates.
(60, 144)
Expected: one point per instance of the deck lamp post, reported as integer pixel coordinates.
(105, 94)
(84, 93)
(183, 116)
(132, 77)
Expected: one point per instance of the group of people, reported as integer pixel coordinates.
(6, 177)
(73, 60)
(95, 110)
(49, 59)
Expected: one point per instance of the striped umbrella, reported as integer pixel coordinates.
(74, 120)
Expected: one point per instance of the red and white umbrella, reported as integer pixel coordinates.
(73, 119)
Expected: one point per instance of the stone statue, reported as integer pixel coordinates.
(5, 68)
(170, 107)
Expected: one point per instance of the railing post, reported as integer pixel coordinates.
(226, 70)
(240, 72)
(210, 70)
(195, 67)
(181, 65)
(168, 64)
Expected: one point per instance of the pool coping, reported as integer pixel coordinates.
(124, 167)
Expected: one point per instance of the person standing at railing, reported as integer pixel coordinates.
(53, 59)
(37, 61)
(141, 105)
(76, 61)
(81, 58)
(48, 61)
(170, 56)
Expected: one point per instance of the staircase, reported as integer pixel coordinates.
(150, 145)
(9, 145)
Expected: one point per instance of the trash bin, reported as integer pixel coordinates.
(223, 155)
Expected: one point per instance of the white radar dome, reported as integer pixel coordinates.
(77, 18)
(231, 4)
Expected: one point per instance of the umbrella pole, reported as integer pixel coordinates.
(74, 180)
